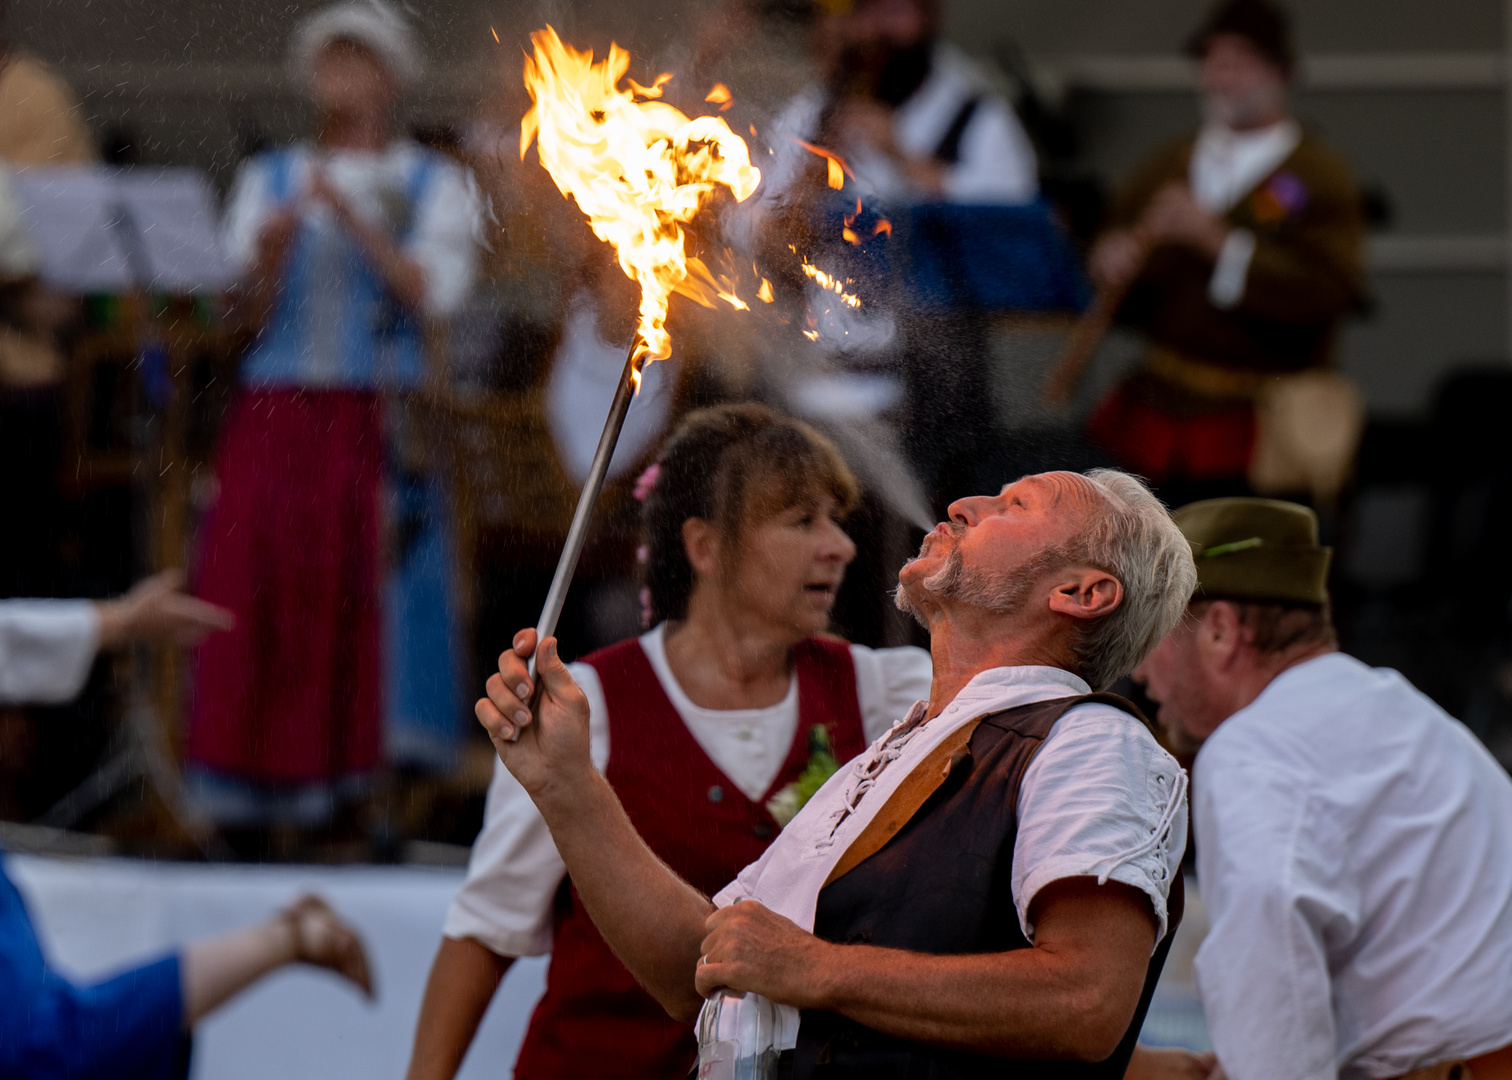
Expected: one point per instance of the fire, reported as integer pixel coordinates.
(826, 281)
(838, 169)
(639, 169)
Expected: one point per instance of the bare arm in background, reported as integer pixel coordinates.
(463, 980)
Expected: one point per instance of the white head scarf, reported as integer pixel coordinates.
(373, 24)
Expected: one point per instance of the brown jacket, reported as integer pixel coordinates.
(1306, 274)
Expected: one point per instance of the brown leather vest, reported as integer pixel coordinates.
(942, 886)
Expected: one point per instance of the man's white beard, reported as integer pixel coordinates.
(1241, 112)
(1001, 594)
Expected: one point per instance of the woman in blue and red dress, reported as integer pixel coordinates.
(704, 725)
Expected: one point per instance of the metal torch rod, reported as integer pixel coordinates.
(577, 534)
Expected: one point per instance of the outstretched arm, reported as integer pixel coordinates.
(651, 918)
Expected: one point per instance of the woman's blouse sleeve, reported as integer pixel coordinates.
(514, 873)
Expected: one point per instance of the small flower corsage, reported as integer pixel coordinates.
(822, 764)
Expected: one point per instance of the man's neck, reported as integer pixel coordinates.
(355, 131)
(1249, 684)
(964, 643)
(1256, 127)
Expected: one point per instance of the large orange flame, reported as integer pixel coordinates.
(640, 170)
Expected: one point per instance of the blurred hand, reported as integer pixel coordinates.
(324, 939)
(157, 608)
(1175, 217)
(403, 276)
(865, 122)
(1171, 1063)
(549, 751)
(1117, 258)
(321, 190)
(274, 240)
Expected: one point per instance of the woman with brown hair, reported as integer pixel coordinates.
(713, 727)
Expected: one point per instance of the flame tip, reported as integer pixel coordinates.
(639, 169)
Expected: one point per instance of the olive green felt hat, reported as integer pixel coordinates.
(1256, 549)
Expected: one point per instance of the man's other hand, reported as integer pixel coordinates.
(750, 948)
(158, 609)
(1116, 258)
(550, 746)
(1171, 1063)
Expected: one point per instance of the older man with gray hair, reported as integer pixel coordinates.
(991, 879)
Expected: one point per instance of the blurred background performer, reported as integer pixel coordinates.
(40, 119)
(1354, 841)
(920, 124)
(348, 244)
(1241, 249)
(134, 1025)
(703, 726)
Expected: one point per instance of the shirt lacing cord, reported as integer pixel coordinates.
(1159, 835)
(867, 769)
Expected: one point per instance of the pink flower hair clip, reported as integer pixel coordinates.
(647, 481)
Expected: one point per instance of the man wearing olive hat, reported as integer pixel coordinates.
(1354, 842)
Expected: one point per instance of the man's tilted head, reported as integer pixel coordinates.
(1089, 568)
(1261, 606)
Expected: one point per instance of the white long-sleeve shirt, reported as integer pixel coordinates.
(46, 649)
(1355, 857)
(515, 869)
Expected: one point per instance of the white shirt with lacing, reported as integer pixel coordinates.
(1101, 799)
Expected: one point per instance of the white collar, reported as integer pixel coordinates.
(1018, 681)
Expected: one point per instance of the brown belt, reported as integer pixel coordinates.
(1204, 378)
(1497, 1065)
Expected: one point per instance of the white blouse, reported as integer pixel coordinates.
(515, 870)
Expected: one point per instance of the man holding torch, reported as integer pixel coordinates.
(992, 878)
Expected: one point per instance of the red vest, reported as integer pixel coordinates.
(595, 1022)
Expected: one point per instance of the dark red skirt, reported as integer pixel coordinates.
(292, 695)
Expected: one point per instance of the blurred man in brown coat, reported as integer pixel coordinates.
(1240, 249)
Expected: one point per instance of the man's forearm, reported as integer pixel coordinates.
(463, 980)
(650, 917)
(1023, 1004)
(1071, 995)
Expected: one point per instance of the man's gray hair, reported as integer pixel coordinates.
(1137, 542)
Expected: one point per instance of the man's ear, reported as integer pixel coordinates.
(1086, 593)
(1221, 634)
(701, 543)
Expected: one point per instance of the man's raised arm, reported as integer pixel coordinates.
(650, 917)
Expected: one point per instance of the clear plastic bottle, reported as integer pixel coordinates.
(737, 1038)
